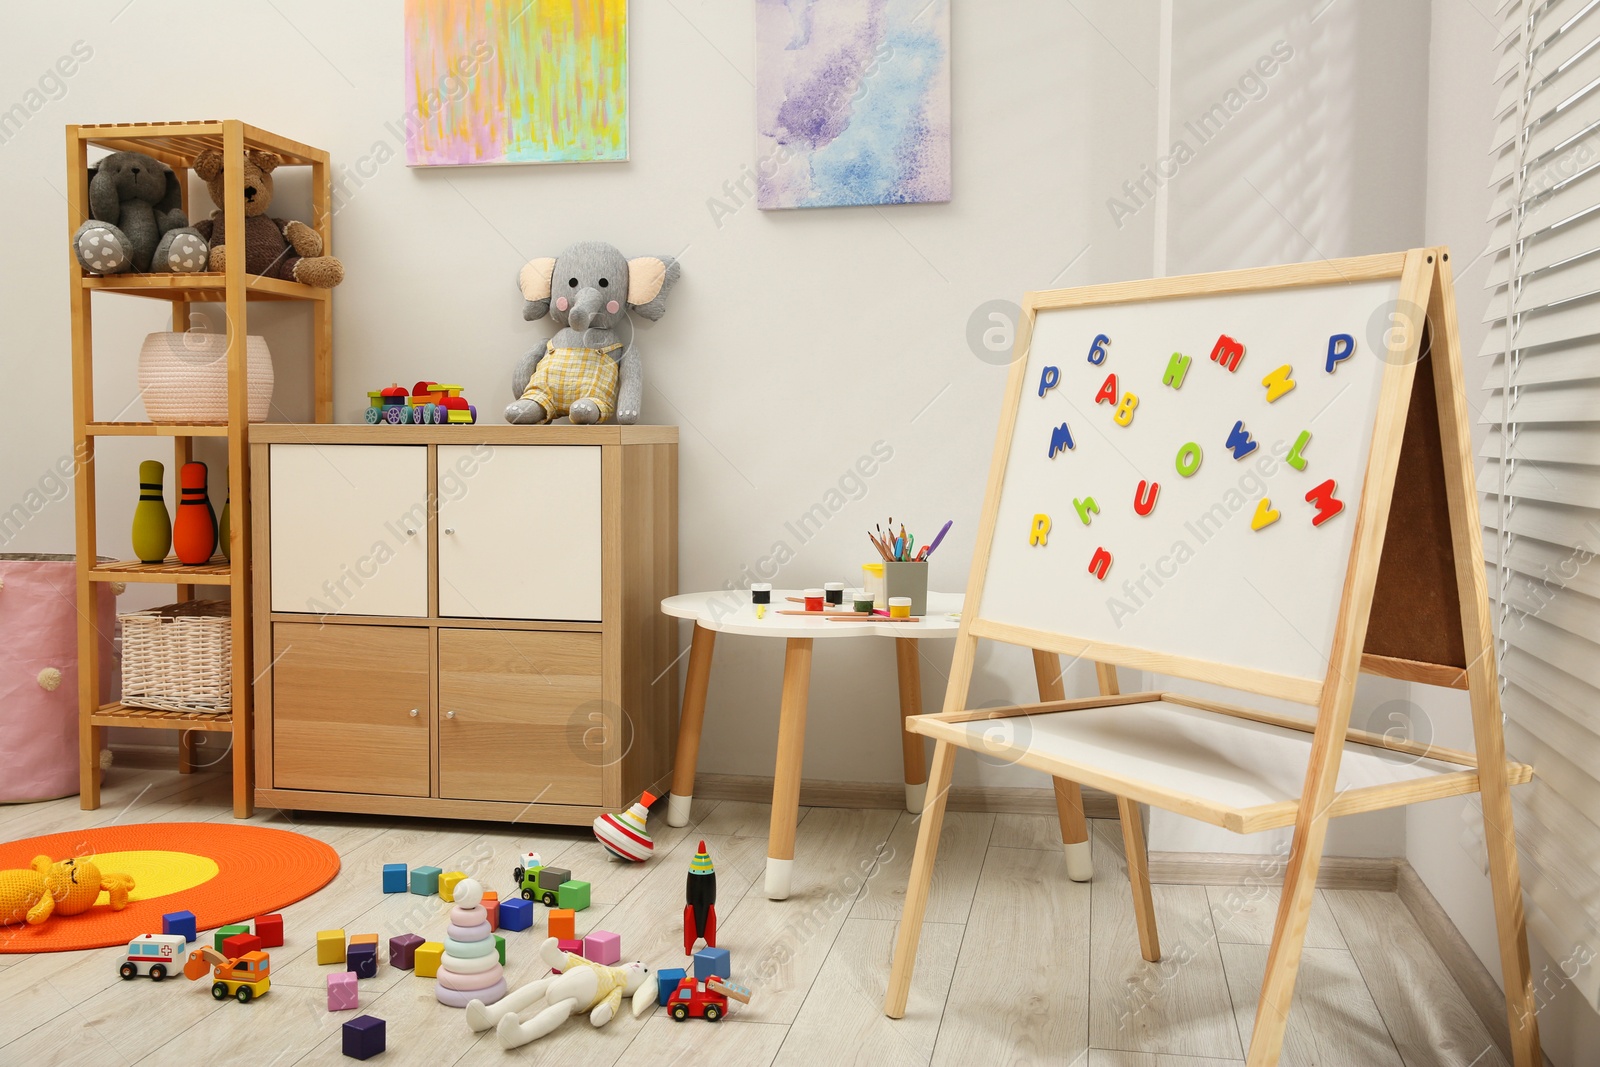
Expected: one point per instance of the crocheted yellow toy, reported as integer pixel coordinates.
(67, 888)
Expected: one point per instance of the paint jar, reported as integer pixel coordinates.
(862, 601)
(833, 593)
(813, 600)
(899, 607)
(760, 592)
(872, 582)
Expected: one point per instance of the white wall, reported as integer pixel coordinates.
(1461, 99)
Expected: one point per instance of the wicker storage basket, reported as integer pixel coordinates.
(179, 657)
(184, 377)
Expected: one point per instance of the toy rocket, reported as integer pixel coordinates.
(700, 909)
(625, 835)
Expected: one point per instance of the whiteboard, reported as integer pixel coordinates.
(1191, 578)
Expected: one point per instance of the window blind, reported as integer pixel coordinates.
(1540, 478)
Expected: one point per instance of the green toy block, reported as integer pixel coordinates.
(425, 881)
(574, 895)
(226, 932)
(500, 944)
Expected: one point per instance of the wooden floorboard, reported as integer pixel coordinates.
(1334, 1019)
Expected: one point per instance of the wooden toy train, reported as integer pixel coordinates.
(428, 403)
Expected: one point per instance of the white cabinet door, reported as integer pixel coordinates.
(350, 529)
(519, 532)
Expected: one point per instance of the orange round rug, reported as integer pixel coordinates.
(224, 874)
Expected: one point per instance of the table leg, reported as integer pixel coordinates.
(690, 721)
(786, 778)
(1069, 797)
(916, 767)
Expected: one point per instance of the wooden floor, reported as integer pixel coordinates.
(1018, 964)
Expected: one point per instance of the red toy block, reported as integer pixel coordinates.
(269, 928)
(237, 945)
(491, 904)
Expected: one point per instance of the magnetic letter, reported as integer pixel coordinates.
(1041, 530)
(1144, 497)
(1265, 515)
(1124, 413)
(1327, 504)
(1177, 367)
(1085, 507)
(1188, 459)
(1277, 383)
(1340, 347)
(1294, 458)
(1227, 353)
(1048, 380)
(1100, 563)
(1060, 438)
(1108, 391)
(1097, 351)
(1239, 442)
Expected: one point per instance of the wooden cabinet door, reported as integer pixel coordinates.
(519, 532)
(517, 709)
(349, 529)
(350, 708)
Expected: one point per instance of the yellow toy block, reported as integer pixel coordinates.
(447, 885)
(425, 964)
(330, 946)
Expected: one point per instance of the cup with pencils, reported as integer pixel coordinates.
(905, 566)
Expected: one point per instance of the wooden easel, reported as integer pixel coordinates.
(1408, 609)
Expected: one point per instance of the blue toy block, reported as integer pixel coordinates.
(712, 963)
(362, 959)
(364, 1037)
(516, 914)
(425, 881)
(179, 922)
(667, 979)
(394, 878)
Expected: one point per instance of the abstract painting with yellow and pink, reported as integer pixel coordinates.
(519, 81)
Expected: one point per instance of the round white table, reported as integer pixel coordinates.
(733, 613)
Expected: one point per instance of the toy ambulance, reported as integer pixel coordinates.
(156, 955)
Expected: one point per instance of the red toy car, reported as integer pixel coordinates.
(710, 1003)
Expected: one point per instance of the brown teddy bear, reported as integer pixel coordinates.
(276, 248)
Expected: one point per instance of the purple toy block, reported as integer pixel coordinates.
(343, 994)
(179, 922)
(364, 1037)
(363, 960)
(403, 951)
(602, 946)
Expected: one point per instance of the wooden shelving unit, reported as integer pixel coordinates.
(177, 144)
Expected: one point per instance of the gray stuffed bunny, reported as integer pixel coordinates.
(136, 221)
(586, 371)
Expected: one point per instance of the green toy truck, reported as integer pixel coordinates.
(551, 886)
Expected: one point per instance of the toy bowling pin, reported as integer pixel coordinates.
(225, 527)
(625, 835)
(152, 526)
(194, 534)
(700, 911)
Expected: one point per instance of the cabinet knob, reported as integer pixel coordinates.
(413, 713)
(410, 532)
(449, 714)
(449, 529)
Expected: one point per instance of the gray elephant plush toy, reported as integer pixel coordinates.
(586, 371)
(136, 221)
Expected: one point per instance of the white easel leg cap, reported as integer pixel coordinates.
(916, 797)
(778, 875)
(1079, 867)
(678, 809)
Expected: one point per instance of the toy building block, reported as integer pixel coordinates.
(447, 885)
(363, 960)
(574, 946)
(237, 945)
(425, 961)
(403, 950)
(563, 924)
(364, 1037)
(330, 946)
(516, 914)
(574, 895)
(394, 878)
(491, 906)
(603, 946)
(500, 947)
(226, 932)
(425, 881)
(667, 979)
(269, 928)
(179, 922)
(364, 939)
(343, 993)
(712, 963)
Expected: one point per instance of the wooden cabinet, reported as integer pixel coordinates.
(464, 621)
